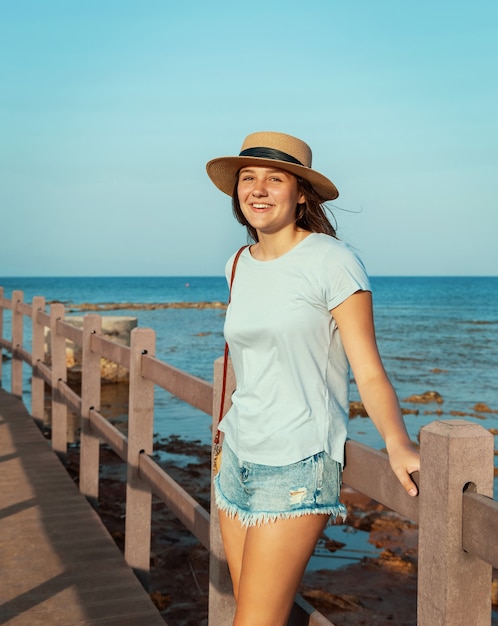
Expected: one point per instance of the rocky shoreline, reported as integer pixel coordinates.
(373, 591)
(139, 306)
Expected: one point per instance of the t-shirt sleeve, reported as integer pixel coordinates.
(228, 268)
(344, 274)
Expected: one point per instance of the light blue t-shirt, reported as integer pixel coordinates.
(292, 395)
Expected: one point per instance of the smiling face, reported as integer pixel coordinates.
(268, 198)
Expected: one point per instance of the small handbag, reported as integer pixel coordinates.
(216, 441)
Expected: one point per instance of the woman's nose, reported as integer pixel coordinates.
(259, 189)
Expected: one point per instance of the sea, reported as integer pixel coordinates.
(435, 334)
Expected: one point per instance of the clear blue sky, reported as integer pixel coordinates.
(109, 110)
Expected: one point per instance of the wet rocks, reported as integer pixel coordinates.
(425, 398)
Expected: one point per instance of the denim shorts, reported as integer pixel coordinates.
(259, 494)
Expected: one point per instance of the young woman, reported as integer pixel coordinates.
(300, 316)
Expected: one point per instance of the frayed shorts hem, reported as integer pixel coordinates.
(260, 494)
(259, 518)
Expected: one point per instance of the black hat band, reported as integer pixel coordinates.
(270, 153)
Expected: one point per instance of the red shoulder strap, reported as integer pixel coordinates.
(225, 358)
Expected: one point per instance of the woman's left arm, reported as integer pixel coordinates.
(354, 318)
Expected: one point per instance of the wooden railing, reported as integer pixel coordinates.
(457, 517)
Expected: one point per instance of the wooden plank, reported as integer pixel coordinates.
(109, 433)
(186, 387)
(368, 471)
(111, 350)
(480, 527)
(70, 332)
(188, 510)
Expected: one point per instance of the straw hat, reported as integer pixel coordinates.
(270, 150)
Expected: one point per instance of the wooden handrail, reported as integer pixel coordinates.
(24, 355)
(367, 470)
(479, 524)
(110, 350)
(71, 398)
(195, 391)
(44, 371)
(186, 509)
(70, 332)
(109, 433)
(24, 308)
(43, 318)
(6, 345)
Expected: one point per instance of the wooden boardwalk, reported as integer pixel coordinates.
(58, 563)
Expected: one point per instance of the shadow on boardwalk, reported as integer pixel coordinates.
(59, 564)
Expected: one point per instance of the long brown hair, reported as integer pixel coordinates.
(311, 215)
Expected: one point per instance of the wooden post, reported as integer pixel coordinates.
(17, 341)
(454, 588)
(59, 408)
(38, 355)
(90, 399)
(221, 600)
(140, 433)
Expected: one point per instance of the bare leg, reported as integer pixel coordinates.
(233, 535)
(267, 563)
